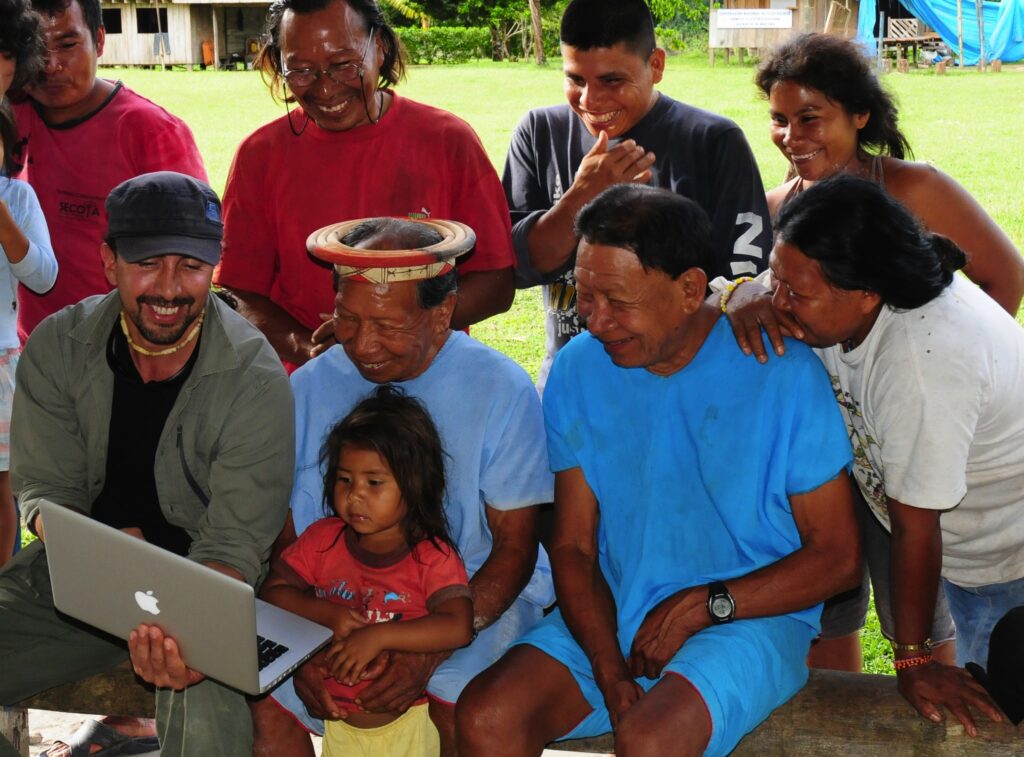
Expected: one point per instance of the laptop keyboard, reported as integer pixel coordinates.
(268, 651)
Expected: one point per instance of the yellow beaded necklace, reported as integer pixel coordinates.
(170, 350)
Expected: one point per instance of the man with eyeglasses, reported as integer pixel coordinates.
(82, 136)
(348, 147)
(617, 129)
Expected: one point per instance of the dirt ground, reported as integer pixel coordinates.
(46, 727)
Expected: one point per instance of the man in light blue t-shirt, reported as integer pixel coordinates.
(702, 511)
(488, 414)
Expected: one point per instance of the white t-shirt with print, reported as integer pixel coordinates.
(934, 402)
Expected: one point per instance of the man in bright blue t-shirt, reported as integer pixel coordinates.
(703, 510)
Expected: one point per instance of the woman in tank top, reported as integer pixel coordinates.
(829, 114)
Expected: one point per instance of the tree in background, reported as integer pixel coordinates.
(538, 33)
(680, 21)
(521, 28)
(406, 9)
(518, 27)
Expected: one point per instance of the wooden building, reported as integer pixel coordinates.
(759, 24)
(182, 32)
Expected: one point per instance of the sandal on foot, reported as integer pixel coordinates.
(113, 743)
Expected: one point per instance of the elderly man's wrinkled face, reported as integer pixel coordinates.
(639, 316)
(385, 332)
(332, 37)
(827, 314)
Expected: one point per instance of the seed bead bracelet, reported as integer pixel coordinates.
(729, 289)
(911, 662)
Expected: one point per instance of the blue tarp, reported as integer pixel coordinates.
(1004, 26)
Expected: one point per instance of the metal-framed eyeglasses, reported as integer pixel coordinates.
(339, 73)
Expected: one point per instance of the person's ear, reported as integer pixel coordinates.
(692, 284)
(101, 39)
(443, 313)
(109, 258)
(869, 301)
(860, 120)
(657, 64)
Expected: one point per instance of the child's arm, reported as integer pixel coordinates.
(285, 588)
(448, 626)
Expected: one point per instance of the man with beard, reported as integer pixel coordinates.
(82, 136)
(157, 410)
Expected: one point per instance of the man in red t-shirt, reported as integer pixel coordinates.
(352, 148)
(81, 137)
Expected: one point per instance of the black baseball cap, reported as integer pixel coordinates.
(1004, 678)
(164, 213)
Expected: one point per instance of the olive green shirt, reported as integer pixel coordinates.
(225, 460)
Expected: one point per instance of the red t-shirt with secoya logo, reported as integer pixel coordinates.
(73, 166)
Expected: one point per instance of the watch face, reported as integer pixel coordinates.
(721, 607)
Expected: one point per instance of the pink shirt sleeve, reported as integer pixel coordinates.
(305, 555)
(249, 257)
(444, 575)
(479, 200)
(160, 141)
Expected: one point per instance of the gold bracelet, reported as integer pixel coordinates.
(911, 662)
(924, 646)
(729, 288)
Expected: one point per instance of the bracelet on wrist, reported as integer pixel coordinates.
(723, 303)
(924, 646)
(911, 662)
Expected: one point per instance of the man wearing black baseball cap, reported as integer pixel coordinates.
(159, 411)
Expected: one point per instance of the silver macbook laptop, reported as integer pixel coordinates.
(113, 581)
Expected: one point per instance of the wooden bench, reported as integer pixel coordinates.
(908, 32)
(836, 713)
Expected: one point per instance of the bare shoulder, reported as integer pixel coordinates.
(917, 184)
(775, 197)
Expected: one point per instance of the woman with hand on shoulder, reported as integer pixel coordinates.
(829, 113)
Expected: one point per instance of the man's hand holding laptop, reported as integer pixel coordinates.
(155, 657)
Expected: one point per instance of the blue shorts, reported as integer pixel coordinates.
(452, 675)
(976, 611)
(742, 670)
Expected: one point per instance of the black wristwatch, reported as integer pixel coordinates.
(721, 605)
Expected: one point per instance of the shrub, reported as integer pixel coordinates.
(445, 44)
(670, 39)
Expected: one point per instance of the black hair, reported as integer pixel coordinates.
(865, 240)
(21, 37)
(91, 12)
(268, 60)
(587, 24)
(9, 139)
(399, 429)
(838, 69)
(429, 292)
(668, 232)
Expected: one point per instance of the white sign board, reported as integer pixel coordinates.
(754, 18)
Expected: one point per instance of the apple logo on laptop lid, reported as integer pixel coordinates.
(147, 602)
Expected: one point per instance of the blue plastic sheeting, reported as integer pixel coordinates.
(1004, 26)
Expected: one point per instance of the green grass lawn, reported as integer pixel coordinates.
(967, 124)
